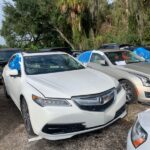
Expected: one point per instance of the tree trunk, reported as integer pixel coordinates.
(65, 38)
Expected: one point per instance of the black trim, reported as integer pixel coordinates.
(63, 128)
(147, 94)
(120, 111)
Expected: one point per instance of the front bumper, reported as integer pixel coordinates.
(55, 123)
(86, 130)
(143, 94)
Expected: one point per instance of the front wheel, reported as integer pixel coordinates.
(131, 94)
(26, 117)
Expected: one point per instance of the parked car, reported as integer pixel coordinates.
(128, 81)
(117, 46)
(139, 135)
(5, 55)
(58, 97)
(134, 74)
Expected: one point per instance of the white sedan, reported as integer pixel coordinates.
(129, 69)
(58, 97)
(138, 138)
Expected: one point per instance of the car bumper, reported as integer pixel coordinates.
(52, 122)
(144, 146)
(69, 135)
(143, 94)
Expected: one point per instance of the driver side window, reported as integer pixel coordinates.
(98, 59)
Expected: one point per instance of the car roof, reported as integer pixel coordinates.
(41, 53)
(111, 50)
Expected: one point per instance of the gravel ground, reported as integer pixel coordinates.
(14, 137)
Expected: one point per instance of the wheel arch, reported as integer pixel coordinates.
(21, 99)
(132, 82)
(121, 79)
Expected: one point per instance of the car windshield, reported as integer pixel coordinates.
(123, 57)
(50, 63)
(5, 55)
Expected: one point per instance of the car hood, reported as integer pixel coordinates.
(71, 83)
(143, 68)
(144, 118)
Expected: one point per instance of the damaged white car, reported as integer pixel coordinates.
(58, 97)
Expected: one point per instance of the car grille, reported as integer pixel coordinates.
(102, 106)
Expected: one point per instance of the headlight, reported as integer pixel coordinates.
(50, 101)
(119, 87)
(138, 135)
(145, 80)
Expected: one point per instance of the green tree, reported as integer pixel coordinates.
(26, 23)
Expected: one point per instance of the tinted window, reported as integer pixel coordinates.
(123, 56)
(50, 63)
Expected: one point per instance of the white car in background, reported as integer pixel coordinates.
(139, 135)
(58, 97)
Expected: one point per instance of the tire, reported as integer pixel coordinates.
(26, 117)
(5, 90)
(131, 94)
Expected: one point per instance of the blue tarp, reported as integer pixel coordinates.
(15, 63)
(142, 52)
(85, 57)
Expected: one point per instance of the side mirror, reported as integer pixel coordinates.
(13, 73)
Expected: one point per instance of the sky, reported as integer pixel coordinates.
(2, 41)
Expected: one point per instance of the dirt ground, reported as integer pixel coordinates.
(14, 137)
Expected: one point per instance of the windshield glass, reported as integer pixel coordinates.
(123, 57)
(50, 64)
(5, 55)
